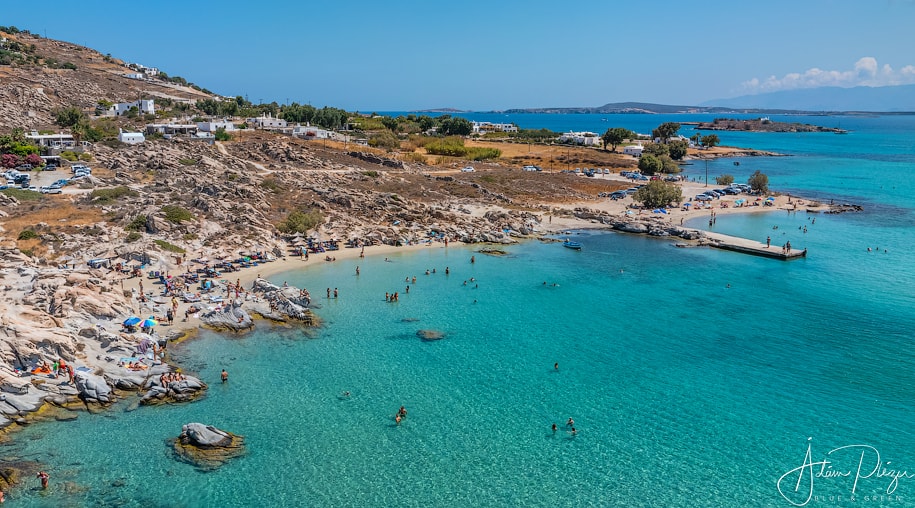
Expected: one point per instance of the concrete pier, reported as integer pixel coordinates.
(754, 248)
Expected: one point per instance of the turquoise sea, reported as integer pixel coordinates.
(695, 377)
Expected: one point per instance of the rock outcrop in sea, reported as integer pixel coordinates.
(206, 446)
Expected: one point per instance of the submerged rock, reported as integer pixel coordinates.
(430, 335)
(206, 446)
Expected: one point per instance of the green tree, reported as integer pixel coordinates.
(724, 179)
(389, 123)
(759, 182)
(659, 194)
(68, 117)
(426, 122)
(455, 126)
(678, 150)
(669, 166)
(656, 149)
(650, 164)
(616, 135)
(666, 131)
(710, 140)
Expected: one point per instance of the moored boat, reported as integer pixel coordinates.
(569, 244)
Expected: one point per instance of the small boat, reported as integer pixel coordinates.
(569, 244)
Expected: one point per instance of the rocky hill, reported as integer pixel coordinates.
(45, 74)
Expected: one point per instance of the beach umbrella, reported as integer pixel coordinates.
(132, 321)
(687, 205)
(739, 201)
(148, 322)
(770, 198)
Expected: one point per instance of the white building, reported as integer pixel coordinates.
(213, 126)
(131, 138)
(311, 132)
(144, 106)
(148, 71)
(581, 138)
(633, 150)
(171, 129)
(267, 122)
(61, 141)
(483, 127)
(135, 75)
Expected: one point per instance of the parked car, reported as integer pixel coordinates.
(618, 195)
(641, 177)
(671, 178)
(76, 168)
(731, 190)
(50, 190)
(61, 182)
(24, 167)
(531, 168)
(467, 169)
(703, 197)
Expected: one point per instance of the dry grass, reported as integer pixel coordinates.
(59, 216)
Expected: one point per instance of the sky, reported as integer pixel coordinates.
(398, 55)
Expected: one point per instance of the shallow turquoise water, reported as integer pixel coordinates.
(685, 392)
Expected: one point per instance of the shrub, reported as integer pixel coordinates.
(168, 247)
(176, 214)
(724, 179)
(415, 157)
(385, 139)
(133, 236)
(189, 236)
(85, 157)
(371, 174)
(452, 146)
(107, 196)
(222, 135)
(271, 185)
(22, 194)
(138, 223)
(27, 234)
(300, 221)
(69, 156)
(187, 162)
(479, 154)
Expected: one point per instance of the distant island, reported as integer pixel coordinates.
(762, 124)
(442, 110)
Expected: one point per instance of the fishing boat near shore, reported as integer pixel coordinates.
(569, 244)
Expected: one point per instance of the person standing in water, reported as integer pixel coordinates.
(473, 259)
(225, 376)
(43, 476)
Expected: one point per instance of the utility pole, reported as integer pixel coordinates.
(706, 172)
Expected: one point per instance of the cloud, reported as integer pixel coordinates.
(866, 72)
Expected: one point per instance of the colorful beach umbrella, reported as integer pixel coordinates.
(132, 321)
(148, 323)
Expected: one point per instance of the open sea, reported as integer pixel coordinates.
(695, 377)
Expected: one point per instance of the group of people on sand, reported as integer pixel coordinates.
(401, 414)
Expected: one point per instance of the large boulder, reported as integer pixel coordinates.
(206, 446)
(230, 317)
(92, 388)
(186, 389)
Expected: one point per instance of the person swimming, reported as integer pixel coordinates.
(570, 423)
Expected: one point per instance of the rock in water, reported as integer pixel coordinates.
(430, 335)
(206, 446)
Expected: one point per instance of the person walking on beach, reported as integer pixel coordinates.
(768, 241)
(43, 476)
(225, 376)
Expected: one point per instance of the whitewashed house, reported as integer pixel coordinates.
(633, 150)
(581, 138)
(144, 106)
(131, 138)
(267, 121)
(212, 126)
(484, 127)
(171, 129)
(311, 132)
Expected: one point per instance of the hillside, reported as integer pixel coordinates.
(35, 84)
